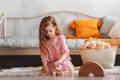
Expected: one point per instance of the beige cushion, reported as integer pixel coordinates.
(108, 22)
(115, 33)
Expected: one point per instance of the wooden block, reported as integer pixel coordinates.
(60, 73)
(64, 73)
(69, 73)
(53, 73)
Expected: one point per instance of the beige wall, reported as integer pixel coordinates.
(34, 7)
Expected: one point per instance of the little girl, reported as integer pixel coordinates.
(54, 52)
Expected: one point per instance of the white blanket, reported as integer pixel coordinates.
(35, 71)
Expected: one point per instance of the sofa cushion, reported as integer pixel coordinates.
(86, 28)
(108, 22)
(64, 19)
(28, 42)
(115, 31)
(74, 44)
(33, 42)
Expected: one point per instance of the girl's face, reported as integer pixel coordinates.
(50, 31)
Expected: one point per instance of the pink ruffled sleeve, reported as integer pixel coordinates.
(64, 47)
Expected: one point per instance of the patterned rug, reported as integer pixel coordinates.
(35, 71)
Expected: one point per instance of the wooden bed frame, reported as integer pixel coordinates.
(28, 51)
(35, 51)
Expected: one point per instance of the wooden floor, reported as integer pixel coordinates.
(110, 77)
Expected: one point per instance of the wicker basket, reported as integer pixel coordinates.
(105, 57)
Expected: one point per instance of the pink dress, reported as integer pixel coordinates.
(56, 48)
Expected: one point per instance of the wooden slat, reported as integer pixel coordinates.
(19, 51)
(27, 51)
(32, 51)
(114, 42)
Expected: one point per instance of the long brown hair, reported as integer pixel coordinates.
(46, 21)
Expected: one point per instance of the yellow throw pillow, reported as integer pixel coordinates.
(86, 28)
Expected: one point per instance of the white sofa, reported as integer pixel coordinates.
(30, 45)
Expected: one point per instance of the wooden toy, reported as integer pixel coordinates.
(91, 67)
(64, 73)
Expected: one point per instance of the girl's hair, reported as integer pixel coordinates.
(46, 21)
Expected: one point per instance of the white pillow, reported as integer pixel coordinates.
(115, 31)
(108, 22)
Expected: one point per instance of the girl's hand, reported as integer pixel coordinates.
(58, 62)
(45, 68)
(44, 72)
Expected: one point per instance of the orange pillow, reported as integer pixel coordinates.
(86, 28)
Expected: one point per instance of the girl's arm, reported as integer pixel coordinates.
(59, 61)
(45, 62)
(45, 67)
(64, 51)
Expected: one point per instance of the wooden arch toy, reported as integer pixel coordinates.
(91, 67)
